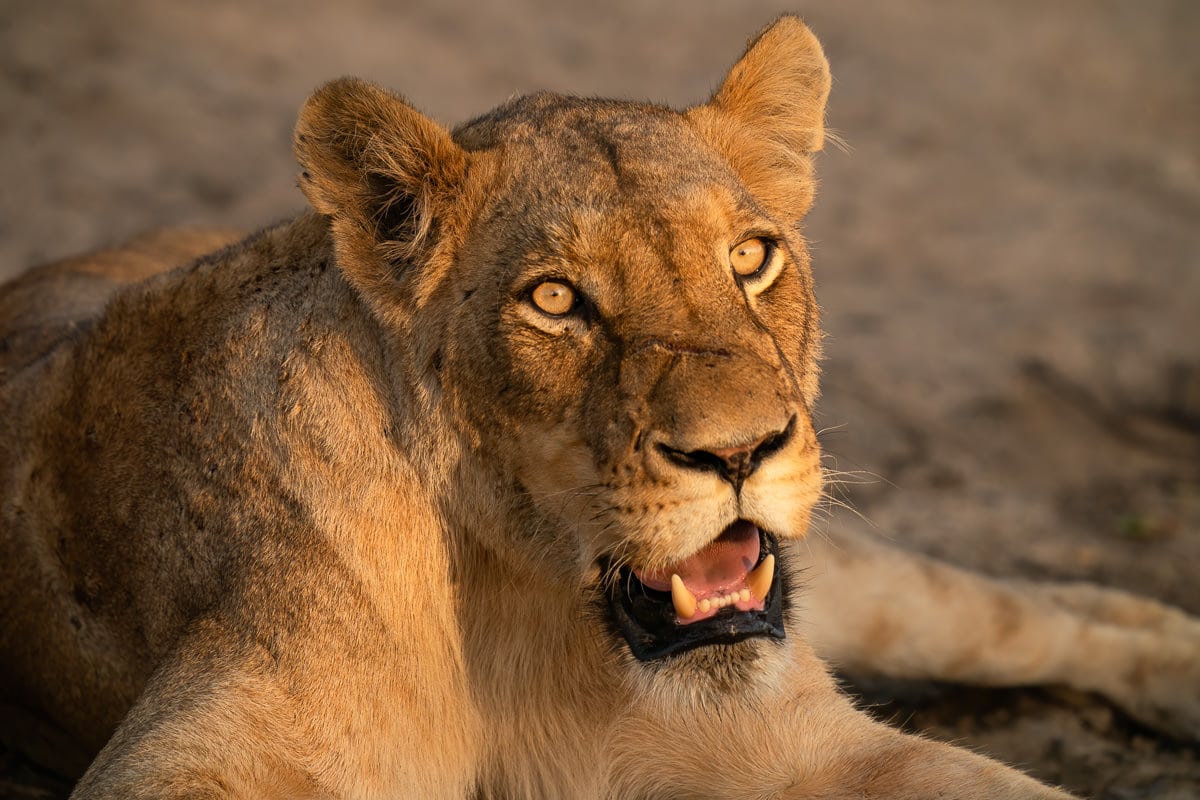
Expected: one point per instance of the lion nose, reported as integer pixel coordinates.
(734, 464)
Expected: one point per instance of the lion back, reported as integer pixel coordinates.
(46, 305)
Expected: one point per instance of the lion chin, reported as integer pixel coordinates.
(486, 476)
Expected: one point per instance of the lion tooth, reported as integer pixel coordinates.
(759, 581)
(705, 605)
(684, 601)
(744, 595)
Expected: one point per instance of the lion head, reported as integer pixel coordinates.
(613, 304)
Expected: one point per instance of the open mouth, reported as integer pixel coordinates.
(729, 591)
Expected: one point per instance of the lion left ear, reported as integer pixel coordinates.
(768, 117)
(382, 171)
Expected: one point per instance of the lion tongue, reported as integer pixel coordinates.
(716, 569)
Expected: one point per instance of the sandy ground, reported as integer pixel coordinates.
(1008, 252)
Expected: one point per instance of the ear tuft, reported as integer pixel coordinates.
(378, 168)
(768, 117)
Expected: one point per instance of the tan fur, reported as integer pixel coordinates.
(321, 514)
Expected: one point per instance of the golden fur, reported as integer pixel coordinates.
(323, 513)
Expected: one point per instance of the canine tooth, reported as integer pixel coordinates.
(759, 581)
(684, 601)
(705, 605)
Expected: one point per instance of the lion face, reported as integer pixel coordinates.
(646, 334)
(616, 302)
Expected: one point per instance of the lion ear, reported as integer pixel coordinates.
(381, 170)
(768, 117)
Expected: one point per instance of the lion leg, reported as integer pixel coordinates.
(883, 763)
(804, 740)
(901, 767)
(213, 732)
(873, 608)
(1153, 670)
(234, 715)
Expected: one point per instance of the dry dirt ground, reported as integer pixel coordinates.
(1008, 252)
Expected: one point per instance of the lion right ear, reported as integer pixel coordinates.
(383, 172)
(768, 117)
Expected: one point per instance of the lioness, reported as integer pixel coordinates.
(488, 478)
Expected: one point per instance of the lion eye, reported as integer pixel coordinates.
(554, 298)
(749, 256)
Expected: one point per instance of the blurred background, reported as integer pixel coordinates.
(1007, 251)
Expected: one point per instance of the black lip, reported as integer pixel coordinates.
(646, 617)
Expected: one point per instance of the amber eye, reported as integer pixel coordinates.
(554, 298)
(749, 256)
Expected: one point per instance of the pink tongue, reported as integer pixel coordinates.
(719, 566)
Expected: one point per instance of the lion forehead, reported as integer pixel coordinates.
(589, 151)
(619, 240)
